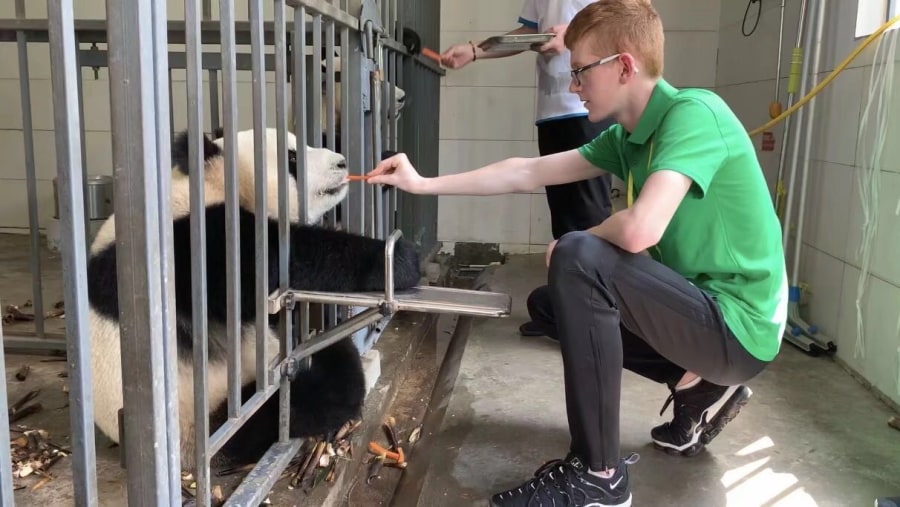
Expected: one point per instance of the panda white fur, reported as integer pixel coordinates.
(324, 396)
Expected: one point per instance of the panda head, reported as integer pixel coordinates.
(326, 175)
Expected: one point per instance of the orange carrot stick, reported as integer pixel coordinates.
(428, 53)
(357, 177)
(377, 450)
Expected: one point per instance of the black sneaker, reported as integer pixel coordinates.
(700, 412)
(530, 328)
(567, 483)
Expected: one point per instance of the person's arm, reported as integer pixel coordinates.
(460, 55)
(517, 174)
(641, 226)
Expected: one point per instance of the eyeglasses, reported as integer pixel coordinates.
(579, 70)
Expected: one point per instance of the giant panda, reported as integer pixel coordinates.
(325, 395)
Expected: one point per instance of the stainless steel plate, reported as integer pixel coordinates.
(422, 299)
(521, 42)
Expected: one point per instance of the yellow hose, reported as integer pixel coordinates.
(840, 68)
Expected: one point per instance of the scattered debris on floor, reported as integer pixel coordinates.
(12, 313)
(392, 457)
(319, 460)
(33, 454)
(18, 410)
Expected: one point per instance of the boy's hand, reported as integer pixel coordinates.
(457, 56)
(397, 171)
(555, 45)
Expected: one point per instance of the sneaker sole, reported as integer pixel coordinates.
(724, 414)
(626, 503)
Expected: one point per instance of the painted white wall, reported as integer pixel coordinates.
(488, 108)
(829, 263)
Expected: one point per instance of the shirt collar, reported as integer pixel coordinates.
(661, 99)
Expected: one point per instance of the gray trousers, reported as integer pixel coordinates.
(611, 309)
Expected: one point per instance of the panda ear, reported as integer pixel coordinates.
(218, 133)
(181, 156)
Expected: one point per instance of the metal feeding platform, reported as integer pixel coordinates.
(427, 299)
(417, 299)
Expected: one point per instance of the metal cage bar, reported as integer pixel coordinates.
(194, 78)
(6, 487)
(137, 67)
(70, 172)
(143, 124)
(281, 128)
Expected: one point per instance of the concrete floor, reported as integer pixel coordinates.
(810, 436)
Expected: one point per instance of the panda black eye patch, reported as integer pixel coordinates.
(292, 163)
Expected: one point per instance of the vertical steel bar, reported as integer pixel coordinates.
(352, 141)
(316, 95)
(316, 100)
(329, 85)
(258, 73)
(162, 93)
(6, 488)
(37, 292)
(300, 112)
(137, 63)
(232, 227)
(330, 126)
(393, 131)
(194, 79)
(214, 122)
(84, 187)
(171, 108)
(70, 171)
(280, 39)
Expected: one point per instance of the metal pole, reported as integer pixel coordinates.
(6, 488)
(137, 67)
(194, 77)
(232, 228)
(284, 250)
(259, 141)
(70, 172)
(37, 292)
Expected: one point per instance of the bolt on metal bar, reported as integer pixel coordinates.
(73, 241)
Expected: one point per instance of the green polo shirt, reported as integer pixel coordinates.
(725, 237)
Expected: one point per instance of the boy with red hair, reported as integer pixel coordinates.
(703, 313)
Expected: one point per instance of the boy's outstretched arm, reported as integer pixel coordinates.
(503, 177)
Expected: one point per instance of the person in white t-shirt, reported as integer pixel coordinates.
(561, 121)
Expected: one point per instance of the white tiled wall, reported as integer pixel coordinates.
(832, 232)
(13, 195)
(488, 113)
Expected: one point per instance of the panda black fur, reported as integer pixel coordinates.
(324, 396)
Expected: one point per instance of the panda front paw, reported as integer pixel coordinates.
(406, 265)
